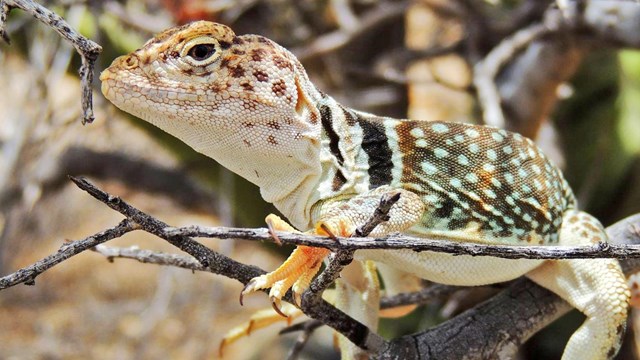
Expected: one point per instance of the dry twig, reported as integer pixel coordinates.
(28, 274)
(87, 49)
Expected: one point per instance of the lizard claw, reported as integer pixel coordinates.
(271, 226)
(249, 287)
(275, 303)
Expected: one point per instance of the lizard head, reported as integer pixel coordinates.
(244, 100)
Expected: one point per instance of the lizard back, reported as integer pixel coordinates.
(478, 183)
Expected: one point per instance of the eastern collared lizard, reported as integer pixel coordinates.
(248, 103)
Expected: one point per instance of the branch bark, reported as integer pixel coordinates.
(87, 49)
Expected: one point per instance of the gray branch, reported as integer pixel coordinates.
(399, 241)
(87, 49)
(28, 274)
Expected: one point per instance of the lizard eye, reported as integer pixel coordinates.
(201, 51)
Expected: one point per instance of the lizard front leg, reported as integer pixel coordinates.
(339, 218)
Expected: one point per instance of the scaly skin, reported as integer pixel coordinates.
(248, 103)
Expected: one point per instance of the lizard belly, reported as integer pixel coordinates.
(463, 270)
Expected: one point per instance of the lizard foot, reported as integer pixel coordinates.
(295, 273)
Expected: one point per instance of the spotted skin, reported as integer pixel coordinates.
(248, 103)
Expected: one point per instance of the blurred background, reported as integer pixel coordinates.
(576, 94)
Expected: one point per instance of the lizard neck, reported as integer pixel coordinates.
(359, 151)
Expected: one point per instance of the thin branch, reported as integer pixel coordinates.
(337, 39)
(27, 275)
(399, 241)
(307, 328)
(223, 265)
(380, 215)
(421, 297)
(486, 71)
(87, 49)
(150, 257)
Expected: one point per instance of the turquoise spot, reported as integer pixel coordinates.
(508, 177)
(474, 148)
(440, 128)
(471, 177)
(497, 137)
(472, 133)
(440, 153)
(429, 168)
(490, 193)
(455, 182)
(491, 154)
(522, 173)
(463, 160)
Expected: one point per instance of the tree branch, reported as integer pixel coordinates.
(87, 49)
(28, 274)
(222, 265)
(398, 241)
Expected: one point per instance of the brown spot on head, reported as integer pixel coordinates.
(224, 44)
(634, 286)
(263, 39)
(247, 86)
(248, 124)
(273, 124)
(236, 71)
(261, 75)
(247, 142)
(272, 140)
(279, 88)
(282, 63)
(237, 40)
(238, 52)
(258, 54)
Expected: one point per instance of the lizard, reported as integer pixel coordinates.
(248, 103)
